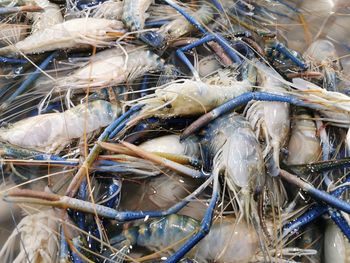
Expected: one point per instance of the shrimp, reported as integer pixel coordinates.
(69, 34)
(304, 144)
(134, 16)
(51, 132)
(134, 13)
(111, 67)
(51, 14)
(336, 247)
(231, 143)
(39, 242)
(191, 98)
(227, 241)
(159, 192)
(270, 120)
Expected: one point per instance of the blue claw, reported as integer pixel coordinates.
(114, 128)
(29, 80)
(341, 222)
(157, 23)
(153, 39)
(240, 101)
(113, 194)
(64, 251)
(81, 215)
(313, 213)
(13, 60)
(218, 5)
(285, 51)
(229, 50)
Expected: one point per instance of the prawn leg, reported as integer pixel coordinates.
(63, 253)
(340, 222)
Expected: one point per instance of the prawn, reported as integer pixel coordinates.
(270, 120)
(69, 34)
(111, 67)
(52, 131)
(231, 143)
(190, 97)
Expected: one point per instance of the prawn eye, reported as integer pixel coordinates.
(169, 106)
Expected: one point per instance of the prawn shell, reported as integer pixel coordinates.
(47, 132)
(70, 34)
(171, 144)
(304, 145)
(111, 67)
(194, 98)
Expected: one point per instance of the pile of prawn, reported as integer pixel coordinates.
(119, 141)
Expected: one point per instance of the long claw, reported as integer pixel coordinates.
(48, 199)
(43, 198)
(117, 148)
(17, 9)
(240, 101)
(314, 212)
(163, 161)
(318, 167)
(315, 193)
(181, 159)
(29, 80)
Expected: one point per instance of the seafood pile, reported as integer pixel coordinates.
(175, 131)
